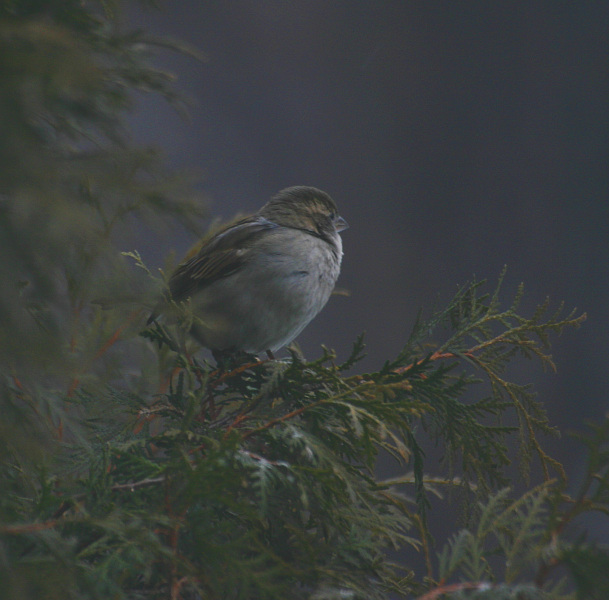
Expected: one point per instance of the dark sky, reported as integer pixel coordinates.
(456, 137)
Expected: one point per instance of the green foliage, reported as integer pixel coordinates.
(257, 480)
(130, 467)
(70, 184)
(525, 538)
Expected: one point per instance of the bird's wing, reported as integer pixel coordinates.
(224, 254)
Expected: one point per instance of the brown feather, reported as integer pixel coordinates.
(224, 254)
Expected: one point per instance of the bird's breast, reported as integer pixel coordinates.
(267, 302)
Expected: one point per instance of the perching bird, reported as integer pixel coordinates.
(255, 285)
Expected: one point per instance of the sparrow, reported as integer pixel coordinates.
(256, 284)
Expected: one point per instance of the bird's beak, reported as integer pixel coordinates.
(340, 224)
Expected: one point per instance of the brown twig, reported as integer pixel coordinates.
(285, 417)
(118, 487)
(455, 587)
(28, 527)
(176, 586)
(435, 356)
(238, 419)
(235, 371)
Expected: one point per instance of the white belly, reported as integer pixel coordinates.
(269, 301)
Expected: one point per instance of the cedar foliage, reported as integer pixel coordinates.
(132, 468)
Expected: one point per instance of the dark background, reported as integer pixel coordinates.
(456, 137)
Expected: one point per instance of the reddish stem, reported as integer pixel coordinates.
(454, 587)
(28, 528)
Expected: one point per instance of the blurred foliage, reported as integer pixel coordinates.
(69, 179)
(130, 467)
(71, 186)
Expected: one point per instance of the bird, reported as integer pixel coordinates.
(257, 283)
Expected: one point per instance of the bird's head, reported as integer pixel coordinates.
(306, 208)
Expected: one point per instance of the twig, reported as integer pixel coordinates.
(435, 356)
(118, 487)
(235, 371)
(138, 484)
(28, 527)
(285, 417)
(455, 587)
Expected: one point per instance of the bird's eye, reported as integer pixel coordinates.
(332, 216)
